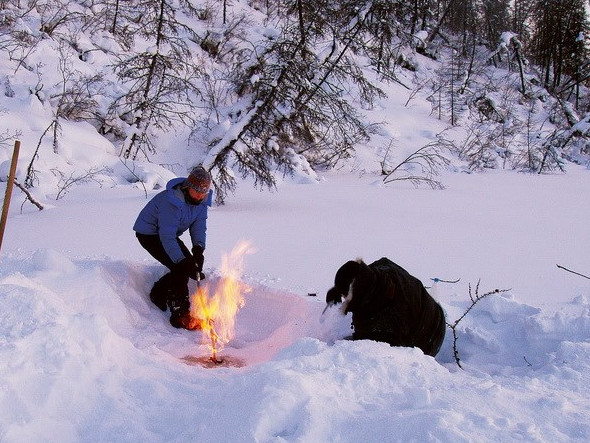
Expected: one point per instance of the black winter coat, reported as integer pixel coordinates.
(389, 305)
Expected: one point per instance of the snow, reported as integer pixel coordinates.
(85, 356)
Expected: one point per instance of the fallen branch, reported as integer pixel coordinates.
(573, 272)
(29, 196)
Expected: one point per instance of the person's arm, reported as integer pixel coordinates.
(168, 220)
(198, 232)
(198, 229)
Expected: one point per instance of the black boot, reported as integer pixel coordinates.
(162, 292)
(185, 321)
(180, 316)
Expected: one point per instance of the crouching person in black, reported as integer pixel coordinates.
(183, 205)
(388, 305)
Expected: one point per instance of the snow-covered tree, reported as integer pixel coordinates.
(292, 110)
(160, 74)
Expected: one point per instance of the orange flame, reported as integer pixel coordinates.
(217, 310)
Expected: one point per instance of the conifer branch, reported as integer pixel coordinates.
(475, 298)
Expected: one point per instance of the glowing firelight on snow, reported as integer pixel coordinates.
(217, 309)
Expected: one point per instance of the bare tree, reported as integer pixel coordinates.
(66, 181)
(115, 16)
(68, 99)
(421, 166)
(18, 42)
(56, 14)
(451, 81)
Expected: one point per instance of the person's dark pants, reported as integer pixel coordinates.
(172, 289)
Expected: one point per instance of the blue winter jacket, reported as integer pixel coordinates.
(169, 216)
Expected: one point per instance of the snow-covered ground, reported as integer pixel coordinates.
(85, 356)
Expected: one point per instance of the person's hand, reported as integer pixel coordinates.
(198, 257)
(189, 267)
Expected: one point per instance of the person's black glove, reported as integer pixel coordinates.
(199, 259)
(189, 267)
(198, 256)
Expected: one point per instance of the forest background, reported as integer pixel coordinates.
(264, 87)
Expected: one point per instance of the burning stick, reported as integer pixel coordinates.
(207, 323)
(217, 309)
(214, 339)
(206, 310)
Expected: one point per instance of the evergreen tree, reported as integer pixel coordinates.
(161, 77)
(496, 17)
(560, 39)
(297, 113)
(522, 18)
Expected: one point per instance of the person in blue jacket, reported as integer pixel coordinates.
(182, 206)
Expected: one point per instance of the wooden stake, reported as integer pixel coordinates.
(9, 185)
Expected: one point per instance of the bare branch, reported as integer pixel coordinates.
(573, 272)
(475, 298)
(29, 196)
(124, 162)
(427, 161)
(66, 182)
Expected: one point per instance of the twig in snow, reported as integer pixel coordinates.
(573, 272)
(29, 196)
(132, 171)
(474, 300)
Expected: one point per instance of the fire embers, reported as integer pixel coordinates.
(217, 305)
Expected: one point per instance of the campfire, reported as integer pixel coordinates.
(216, 305)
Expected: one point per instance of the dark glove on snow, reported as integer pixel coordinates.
(189, 267)
(199, 259)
